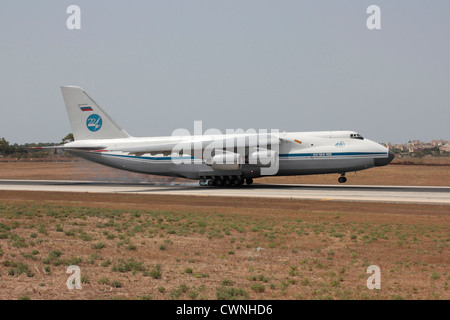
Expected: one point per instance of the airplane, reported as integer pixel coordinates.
(209, 158)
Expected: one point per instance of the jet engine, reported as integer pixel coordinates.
(225, 160)
(262, 158)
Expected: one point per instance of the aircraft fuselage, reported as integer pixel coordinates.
(299, 153)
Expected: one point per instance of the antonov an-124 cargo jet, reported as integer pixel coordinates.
(218, 159)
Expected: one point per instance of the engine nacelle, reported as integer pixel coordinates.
(226, 161)
(262, 158)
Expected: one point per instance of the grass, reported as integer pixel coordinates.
(231, 293)
(129, 266)
(98, 246)
(300, 250)
(17, 268)
(155, 272)
(258, 287)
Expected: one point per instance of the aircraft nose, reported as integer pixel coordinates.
(379, 162)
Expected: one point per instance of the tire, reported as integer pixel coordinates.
(342, 180)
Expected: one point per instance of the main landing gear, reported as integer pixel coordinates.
(342, 179)
(234, 181)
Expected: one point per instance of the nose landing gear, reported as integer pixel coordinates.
(342, 178)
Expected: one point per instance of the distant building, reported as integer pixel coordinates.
(438, 143)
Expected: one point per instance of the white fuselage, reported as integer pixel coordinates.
(298, 153)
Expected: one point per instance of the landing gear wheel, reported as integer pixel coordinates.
(233, 181)
(342, 180)
(226, 181)
(249, 181)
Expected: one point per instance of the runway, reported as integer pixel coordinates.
(389, 194)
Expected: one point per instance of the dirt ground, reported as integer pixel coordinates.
(163, 247)
(401, 172)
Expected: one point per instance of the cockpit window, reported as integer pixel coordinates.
(356, 136)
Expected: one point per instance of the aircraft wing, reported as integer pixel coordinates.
(63, 147)
(192, 145)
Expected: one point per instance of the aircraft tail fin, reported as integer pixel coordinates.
(87, 119)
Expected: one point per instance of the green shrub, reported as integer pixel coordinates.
(227, 282)
(98, 246)
(258, 287)
(103, 281)
(130, 265)
(155, 273)
(231, 293)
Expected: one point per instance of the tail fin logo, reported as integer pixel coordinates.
(94, 123)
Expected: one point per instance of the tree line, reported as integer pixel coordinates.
(28, 150)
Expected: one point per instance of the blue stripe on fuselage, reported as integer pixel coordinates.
(288, 155)
(331, 154)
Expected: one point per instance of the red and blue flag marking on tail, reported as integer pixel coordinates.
(86, 108)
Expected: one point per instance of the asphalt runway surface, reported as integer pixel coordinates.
(389, 194)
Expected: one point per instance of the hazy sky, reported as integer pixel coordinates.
(156, 66)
